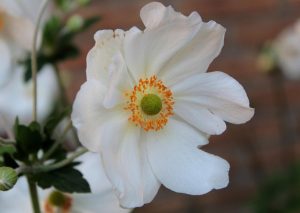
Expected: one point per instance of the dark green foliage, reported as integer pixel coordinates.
(29, 138)
(57, 44)
(66, 179)
(280, 193)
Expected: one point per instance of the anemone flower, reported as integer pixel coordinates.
(149, 104)
(287, 50)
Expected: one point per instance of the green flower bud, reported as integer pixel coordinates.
(8, 178)
(57, 198)
(74, 23)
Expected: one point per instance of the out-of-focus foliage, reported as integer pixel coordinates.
(280, 193)
(58, 35)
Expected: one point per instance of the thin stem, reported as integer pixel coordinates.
(46, 168)
(57, 142)
(64, 162)
(64, 100)
(34, 58)
(62, 90)
(34, 195)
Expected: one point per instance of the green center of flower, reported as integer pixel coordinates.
(151, 104)
(57, 198)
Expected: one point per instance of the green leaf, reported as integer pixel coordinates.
(29, 138)
(6, 147)
(66, 179)
(16, 124)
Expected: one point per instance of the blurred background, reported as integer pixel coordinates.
(262, 153)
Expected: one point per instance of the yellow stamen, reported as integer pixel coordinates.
(151, 104)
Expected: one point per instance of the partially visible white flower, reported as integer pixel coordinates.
(148, 105)
(16, 98)
(102, 198)
(287, 48)
(17, 23)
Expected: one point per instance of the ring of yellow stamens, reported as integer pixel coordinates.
(151, 104)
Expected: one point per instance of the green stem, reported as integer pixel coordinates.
(46, 168)
(57, 142)
(64, 162)
(34, 195)
(64, 99)
(62, 90)
(34, 58)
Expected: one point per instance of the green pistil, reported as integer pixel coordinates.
(151, 104)
(57, 198)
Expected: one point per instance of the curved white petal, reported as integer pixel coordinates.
(180, 165)
(16, 97)
(102, 198)
(91, 119)
(119, 81)
(199, 117)
(196, 56)
(126, 165)
(24, 8)
(218, 92)
(5, 62)
(152, 14)
(108, 43)
(20, 30)
(147, 52)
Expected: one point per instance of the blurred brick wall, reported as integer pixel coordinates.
(255, 149)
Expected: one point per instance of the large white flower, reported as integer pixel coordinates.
(287, 49)
(148, 105)
(102, 198)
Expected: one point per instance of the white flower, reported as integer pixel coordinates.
(102, 198)
(16, 98)
(287, 49)
(17, 20)
(16, 35)
(148, 104)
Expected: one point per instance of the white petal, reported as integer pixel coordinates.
(20, 30)
(5, 62)
(180, 165)
(16, 97)
(196, 56)
(102, 198)
(126, 164)
(93, 203)
(200, 117)
(152, 14)
(119, 82)
(26, 9)
(92, 119)
(217, 92)
(147, 52)
(108, 43)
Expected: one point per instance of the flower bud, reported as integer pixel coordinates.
(8, 178)
(74, 23)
